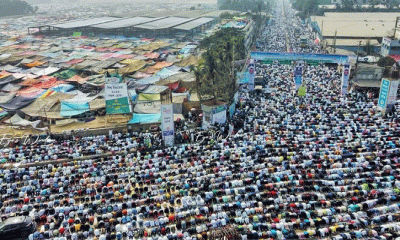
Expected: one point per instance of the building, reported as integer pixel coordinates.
(358, 2)
(346, 30)
(220, 3)
(390, 46)
(368, 76)
(136, 26)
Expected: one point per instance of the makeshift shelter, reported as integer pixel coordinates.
(8, 79)
(5, 97)
(16, 103)
(149, 80)
(31, 92)
(42, 107)
(10, 87)
(145, 118)
(77, 79)
(70, 109)
(97, 104)
(66, 74)
(16, 120)
(63, 88)
(152, 93)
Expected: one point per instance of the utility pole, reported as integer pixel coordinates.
(396, 27)
(334, 43)
(358, 52)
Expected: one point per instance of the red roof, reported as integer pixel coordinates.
(395, 57)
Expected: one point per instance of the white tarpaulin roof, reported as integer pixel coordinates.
(18, 121)
(81, 97)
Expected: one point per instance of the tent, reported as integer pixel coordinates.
(70, 109)
(165, 72)
(66, 74)
(5, 97)
(97, 104)
(31, 92)
(18, 121)
(7, 80)
(3, 113)
(152, 93)
(145, 118)
(17, 103)
(149, 80)
(62, 88)
(42, 107)
(10, 87)
(77, 79)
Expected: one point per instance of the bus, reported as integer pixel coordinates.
(303, 41)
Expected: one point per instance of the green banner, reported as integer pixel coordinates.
(117, 106)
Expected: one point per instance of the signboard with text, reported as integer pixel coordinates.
(116, 96)
(383, 94)
(167, 124)
(298, 78)
(345, 79)
(252, 73)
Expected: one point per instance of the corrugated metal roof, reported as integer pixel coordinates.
(356, 24)
(84, 23)
(168, 22)
(126, 22)
(194, 24)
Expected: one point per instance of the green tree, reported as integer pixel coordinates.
(386, 62)
(15, 7)
(306, 8)
(215, 75)
(368, 48)
(347, 5)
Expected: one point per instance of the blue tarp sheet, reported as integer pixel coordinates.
(133, 94)
(63, 88)
(243, 77)
(165, 72)
(145, 118)
(69, 109)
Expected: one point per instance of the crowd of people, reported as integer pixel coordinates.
(284, 167)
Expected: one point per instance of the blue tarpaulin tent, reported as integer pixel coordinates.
(243, 77)
(145, 118)
(63, 88)
(69, 109)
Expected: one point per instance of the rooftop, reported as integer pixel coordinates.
(164, 23)
(194, 24)
(126, 22)
(356, 24)
(84, 23)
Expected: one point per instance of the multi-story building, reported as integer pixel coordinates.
(390, 46)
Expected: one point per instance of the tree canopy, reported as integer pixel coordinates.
(215, 75)
(15, 7)
(386, 62)
(255, 6)
(306, 8)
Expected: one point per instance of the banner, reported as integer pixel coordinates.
(383, 94)
(298, 78)
(392, 96)
(167, 124)
(232, 109)
(219, 117)
(251, 74)
(345, 79)
(116, 96)
(314, 58)
(302, 91)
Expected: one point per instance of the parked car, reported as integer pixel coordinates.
(17, 228)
